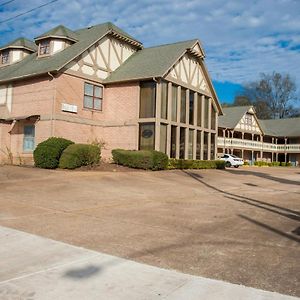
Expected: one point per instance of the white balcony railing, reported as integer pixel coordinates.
(257, 145)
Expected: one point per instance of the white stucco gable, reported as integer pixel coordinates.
(249, 122)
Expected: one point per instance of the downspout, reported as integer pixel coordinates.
(53, 106)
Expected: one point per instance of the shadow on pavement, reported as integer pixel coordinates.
(83, 273)
(285, 212)
(265, 176)
(270, 228)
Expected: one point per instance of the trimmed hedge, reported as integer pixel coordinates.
(272, 164)
(196, 164)
(78, 155)
(143, 159)
(47, 153)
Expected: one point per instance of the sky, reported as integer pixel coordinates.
(241, 39)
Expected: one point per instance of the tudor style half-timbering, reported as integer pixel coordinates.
(100, 83)
(104, 57)
(242, 134)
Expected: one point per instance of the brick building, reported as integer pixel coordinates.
(101, 83)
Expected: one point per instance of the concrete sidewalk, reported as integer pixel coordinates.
(32, 267)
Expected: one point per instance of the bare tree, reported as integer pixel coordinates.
(273, 95)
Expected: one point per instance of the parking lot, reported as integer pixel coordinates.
(237, 225)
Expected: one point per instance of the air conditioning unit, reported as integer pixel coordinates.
(69, 108)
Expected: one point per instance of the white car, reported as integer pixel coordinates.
(232, 160)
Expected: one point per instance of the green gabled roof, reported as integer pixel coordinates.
(31, 65)
(21, 43)
(281, 127)
(59, 31)
(150, 62)
(232, 115)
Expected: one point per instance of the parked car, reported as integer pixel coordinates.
(232, 160)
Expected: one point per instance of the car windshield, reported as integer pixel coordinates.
(234, 156)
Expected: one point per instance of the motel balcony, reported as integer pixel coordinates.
(235, 143)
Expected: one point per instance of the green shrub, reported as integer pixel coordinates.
(261, 163)
(195, 164)
(47, 154)
(289, 164)
(147, 160)
(274, 164)
(246, 163)
(283, 164)
(78, 155)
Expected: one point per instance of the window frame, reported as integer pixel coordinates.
(45, 47)
(5, 56)
(27, 138)
(93, 96)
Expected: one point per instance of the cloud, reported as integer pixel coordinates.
(241, 38)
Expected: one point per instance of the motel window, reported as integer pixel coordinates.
(173, 141)
(164, 100)
(191, 108)
(163, 138)
(212, 145)
(147, 99)
(248, 119)
(182, 143)
(174, 102)
(198, 145)
(205, 146)
(29, 137)
(93, 95)
(183, 106)
(146, 136)
(191, 144)
(199, 110)
(44, 47)
(5, 57)
(206, 110)
(213, 117)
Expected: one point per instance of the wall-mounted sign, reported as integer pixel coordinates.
(69, 108)
(147, 133)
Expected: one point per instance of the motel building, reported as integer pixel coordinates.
(241, 133)
(100, 83)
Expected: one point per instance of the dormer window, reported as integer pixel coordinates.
(44, 47)
(5, 57)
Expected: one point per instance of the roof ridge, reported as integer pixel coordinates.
(169, 44)
(281, 119)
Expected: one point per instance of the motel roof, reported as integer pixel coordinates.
(32, 65)
(289, 127)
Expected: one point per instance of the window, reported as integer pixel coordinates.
(164, 100)
(191, 110)
(183, 106)
(147, 99)
(29, 135)
(205, 146)
(212, 145)
(146, 136)
(44, 47)
(248, 119)
(93, 95)
(163, 138)
(191, 144)
(5, 57)
(199, 110)
(173, 141)
(174, 103)
(206, 110)
(213, 118)
(198, 149)
(182, 143)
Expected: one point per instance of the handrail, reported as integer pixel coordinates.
(257, 145)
